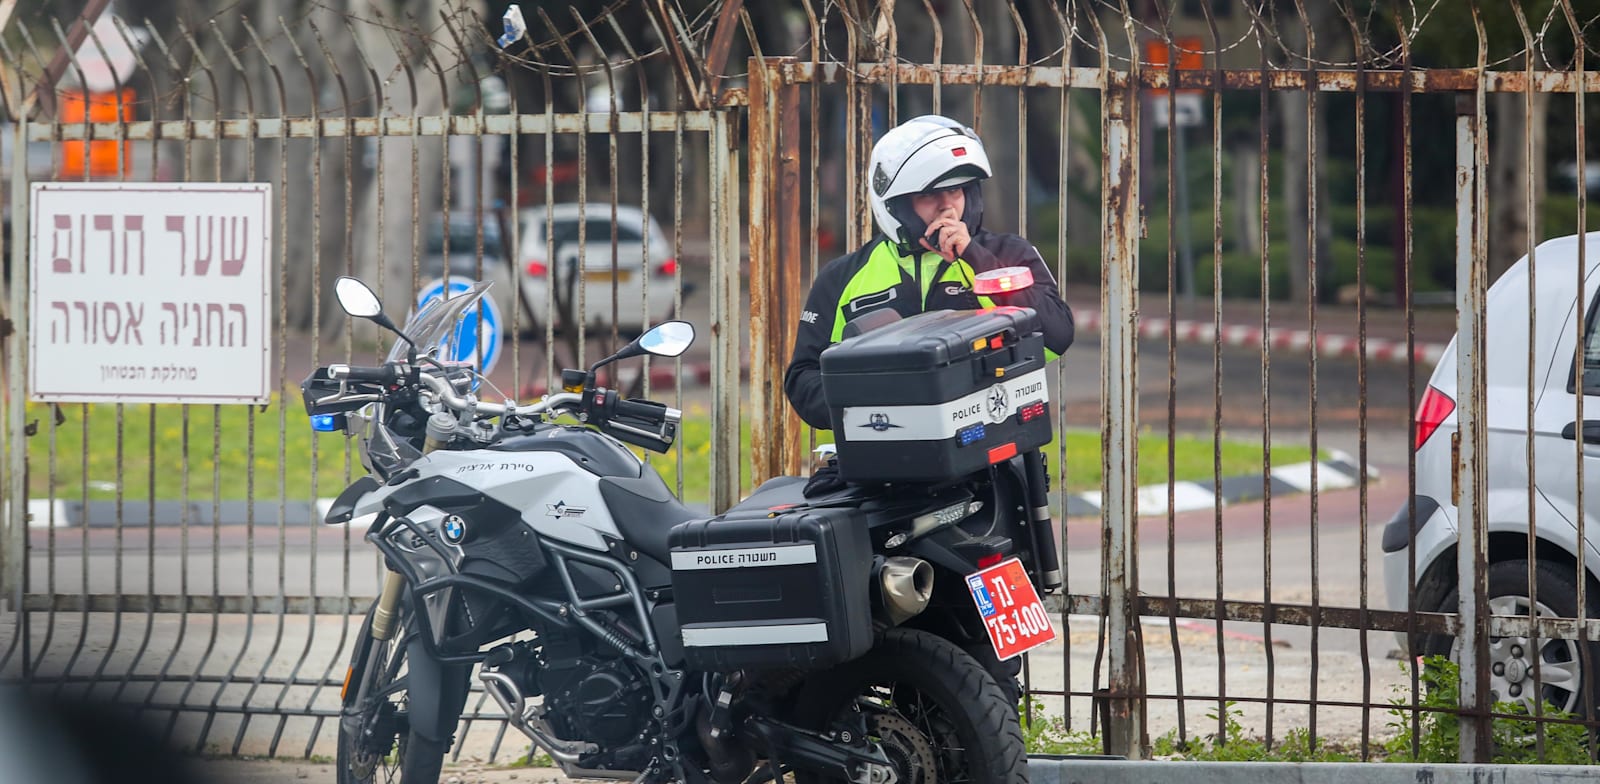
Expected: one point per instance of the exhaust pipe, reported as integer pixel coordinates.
(904, 587)
(525, 717)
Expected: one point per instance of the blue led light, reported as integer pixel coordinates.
(324, 423)
(969, 434)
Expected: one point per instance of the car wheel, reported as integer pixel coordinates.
(1564, 671)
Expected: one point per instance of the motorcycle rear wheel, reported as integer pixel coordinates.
(923, 695)
(376, 745)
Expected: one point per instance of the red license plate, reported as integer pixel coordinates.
(1010, 608)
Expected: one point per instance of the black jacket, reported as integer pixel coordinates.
(861, 282)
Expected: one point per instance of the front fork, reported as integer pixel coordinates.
(388, 603)
(1044, 529)
(436, 692)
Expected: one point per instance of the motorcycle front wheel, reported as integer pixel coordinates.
(376, 745)
(938, 714)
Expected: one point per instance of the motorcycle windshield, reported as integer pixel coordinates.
(438, 327)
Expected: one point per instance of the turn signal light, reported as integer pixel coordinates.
(537, 269)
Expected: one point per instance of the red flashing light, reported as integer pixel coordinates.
(959, 152)
(989, 560)
(1002, 452)
(537, 268)
(668, 268)
(1031, 411)
(1432, 411)
(997, 342)
(1002, 281)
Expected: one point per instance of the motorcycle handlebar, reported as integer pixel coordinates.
(640, 422)
(384, 374)
(445, 391)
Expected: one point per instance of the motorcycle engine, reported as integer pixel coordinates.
(598, 699)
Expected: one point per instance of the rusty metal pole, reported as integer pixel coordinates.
(726, 326)
(1118, 368)
(1469, 440)
(786, 216)
(764, 326)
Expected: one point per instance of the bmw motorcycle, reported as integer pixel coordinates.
(843, 637)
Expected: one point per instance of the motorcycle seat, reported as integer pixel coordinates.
(645, 511)
(784, 492)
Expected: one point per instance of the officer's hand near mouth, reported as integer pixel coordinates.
(925, 177)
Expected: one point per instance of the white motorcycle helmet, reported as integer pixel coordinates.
(922, 154)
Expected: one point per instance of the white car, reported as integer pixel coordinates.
(551, 253)
(1555, 511)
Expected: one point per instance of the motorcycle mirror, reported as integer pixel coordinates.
(668, 339)
(358, 301)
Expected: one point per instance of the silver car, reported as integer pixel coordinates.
(461, 257)
(1553, 389)
(642, 272)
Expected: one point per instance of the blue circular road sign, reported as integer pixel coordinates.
(471, 332)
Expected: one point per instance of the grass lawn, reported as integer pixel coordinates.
(157, 442)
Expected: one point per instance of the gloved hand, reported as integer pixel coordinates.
(825, 481)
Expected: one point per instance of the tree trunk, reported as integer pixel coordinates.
(1245, 166)
(999, 126)
(1509, 178)
(1294, 121)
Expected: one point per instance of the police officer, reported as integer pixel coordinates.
(926, 199)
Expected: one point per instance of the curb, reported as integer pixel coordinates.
(1337, 473)
(1378, 349)
(1066, 769)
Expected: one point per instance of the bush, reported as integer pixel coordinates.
(1515, 741)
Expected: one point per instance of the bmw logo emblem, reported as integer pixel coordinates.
(455, 529)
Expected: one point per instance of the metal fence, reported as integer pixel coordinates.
(155, 570)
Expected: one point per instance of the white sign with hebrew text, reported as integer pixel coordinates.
(150, 292)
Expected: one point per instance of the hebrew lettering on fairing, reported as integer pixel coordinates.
(235, 244)
(244, 335)
(203, 242)
(172, 309)
(65, 321)
(61, 261)
(131, 225)
(175, 224)
(107, 224)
